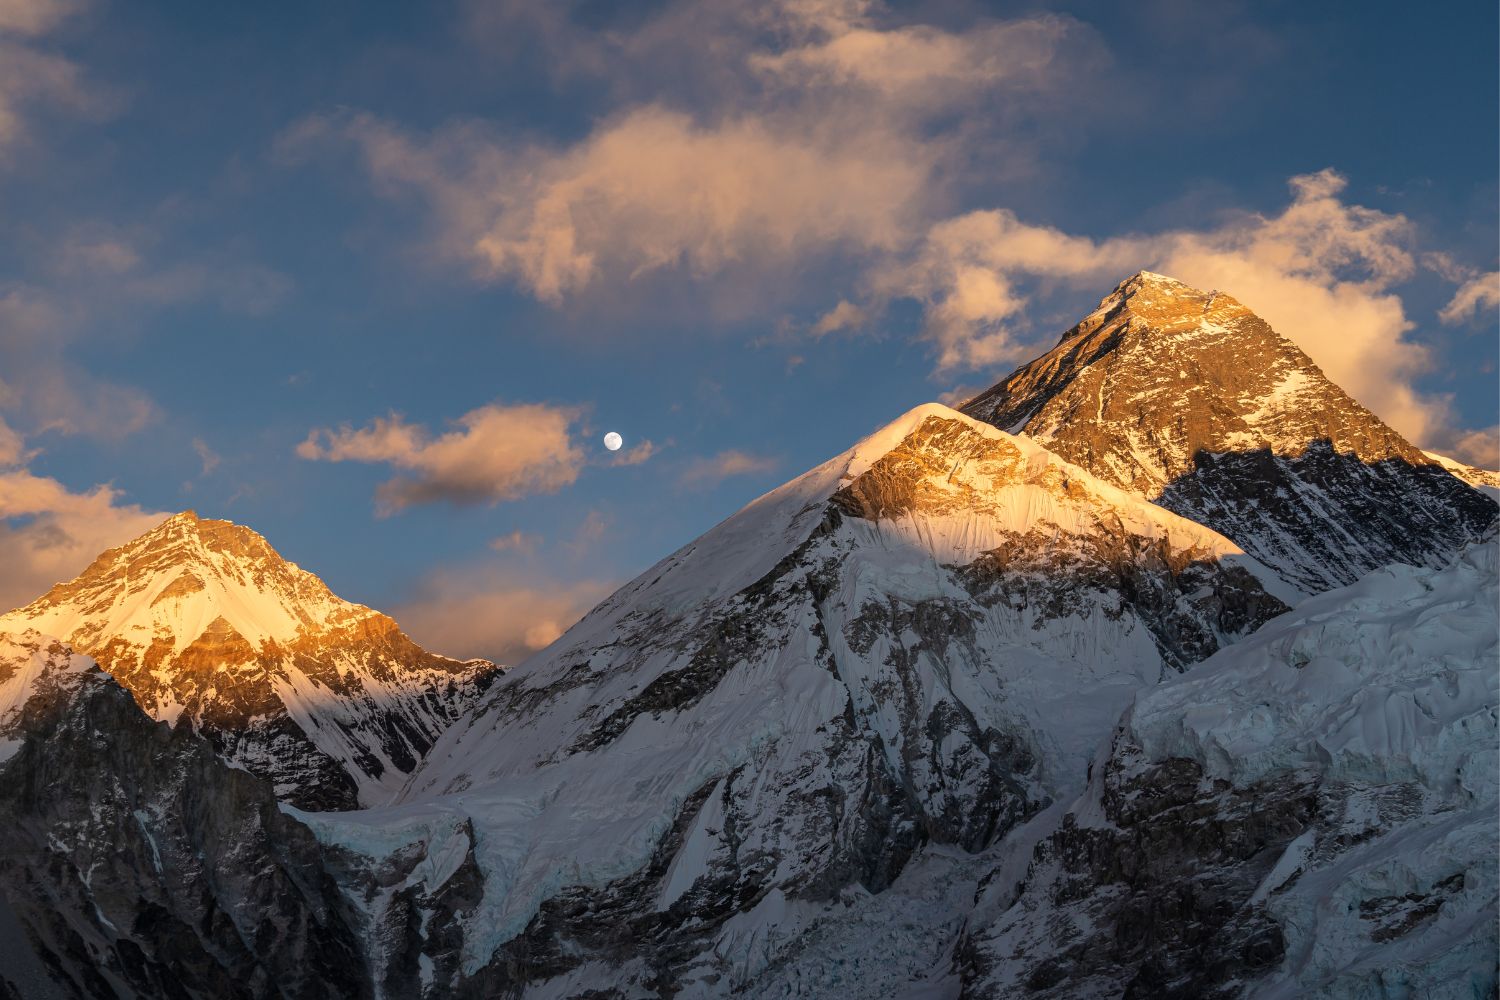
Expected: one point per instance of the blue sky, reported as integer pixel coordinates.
(261, 260)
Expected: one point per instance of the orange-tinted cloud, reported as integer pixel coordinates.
(32, 78)
(782, 133)
(503, 616)
(648, 190)
(494, 453)
(49, 534)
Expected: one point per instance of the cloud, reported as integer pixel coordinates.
(1477, 447)
(710, 471)
(647, 191)
(48, 533)
(501, 615)
(207, 456)
(637, 454)
(744, 142)
(494, 453)
(85, 284)
(516, 541)
(844, 316)
(920, 66)
(12, 446)
(34, 17)
(593, 528)
(1479, 294)
(31, 77)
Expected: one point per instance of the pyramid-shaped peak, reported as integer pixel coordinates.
(1164, 383)
(1163, 371)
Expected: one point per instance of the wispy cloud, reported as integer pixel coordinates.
(1477, 296)
(516, 541)
(784, 133)
(637, 454)
(709, 471)
(496, 452)
(32, 78)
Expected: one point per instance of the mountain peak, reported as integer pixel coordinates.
(201, 619)
(1163, 380)
(1164, 371)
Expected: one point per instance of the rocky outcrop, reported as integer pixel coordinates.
(1189, 399)
(208, 626)
(133, 862)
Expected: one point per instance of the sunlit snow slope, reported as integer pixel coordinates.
(920, 641)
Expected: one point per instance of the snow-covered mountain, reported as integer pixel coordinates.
(947, 716)
(920, 642)
(1189, 399)
(1311, 812)
(203, 621)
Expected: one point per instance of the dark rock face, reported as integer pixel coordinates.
(1331, 517)
(1165, 884)
(1192, 401)
(136, 863)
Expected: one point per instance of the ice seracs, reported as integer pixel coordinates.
(205, 623)
(1310, 812)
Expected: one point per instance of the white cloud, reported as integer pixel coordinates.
(1479, 294)
(494, 453)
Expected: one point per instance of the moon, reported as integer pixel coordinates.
(612, 441)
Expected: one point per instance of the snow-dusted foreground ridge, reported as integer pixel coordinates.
(204, 622)
(920, 642)
(1312, 812)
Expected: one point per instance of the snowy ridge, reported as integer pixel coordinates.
(919, 641)
(32, 664)
(1484, 480)
(202, 620)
